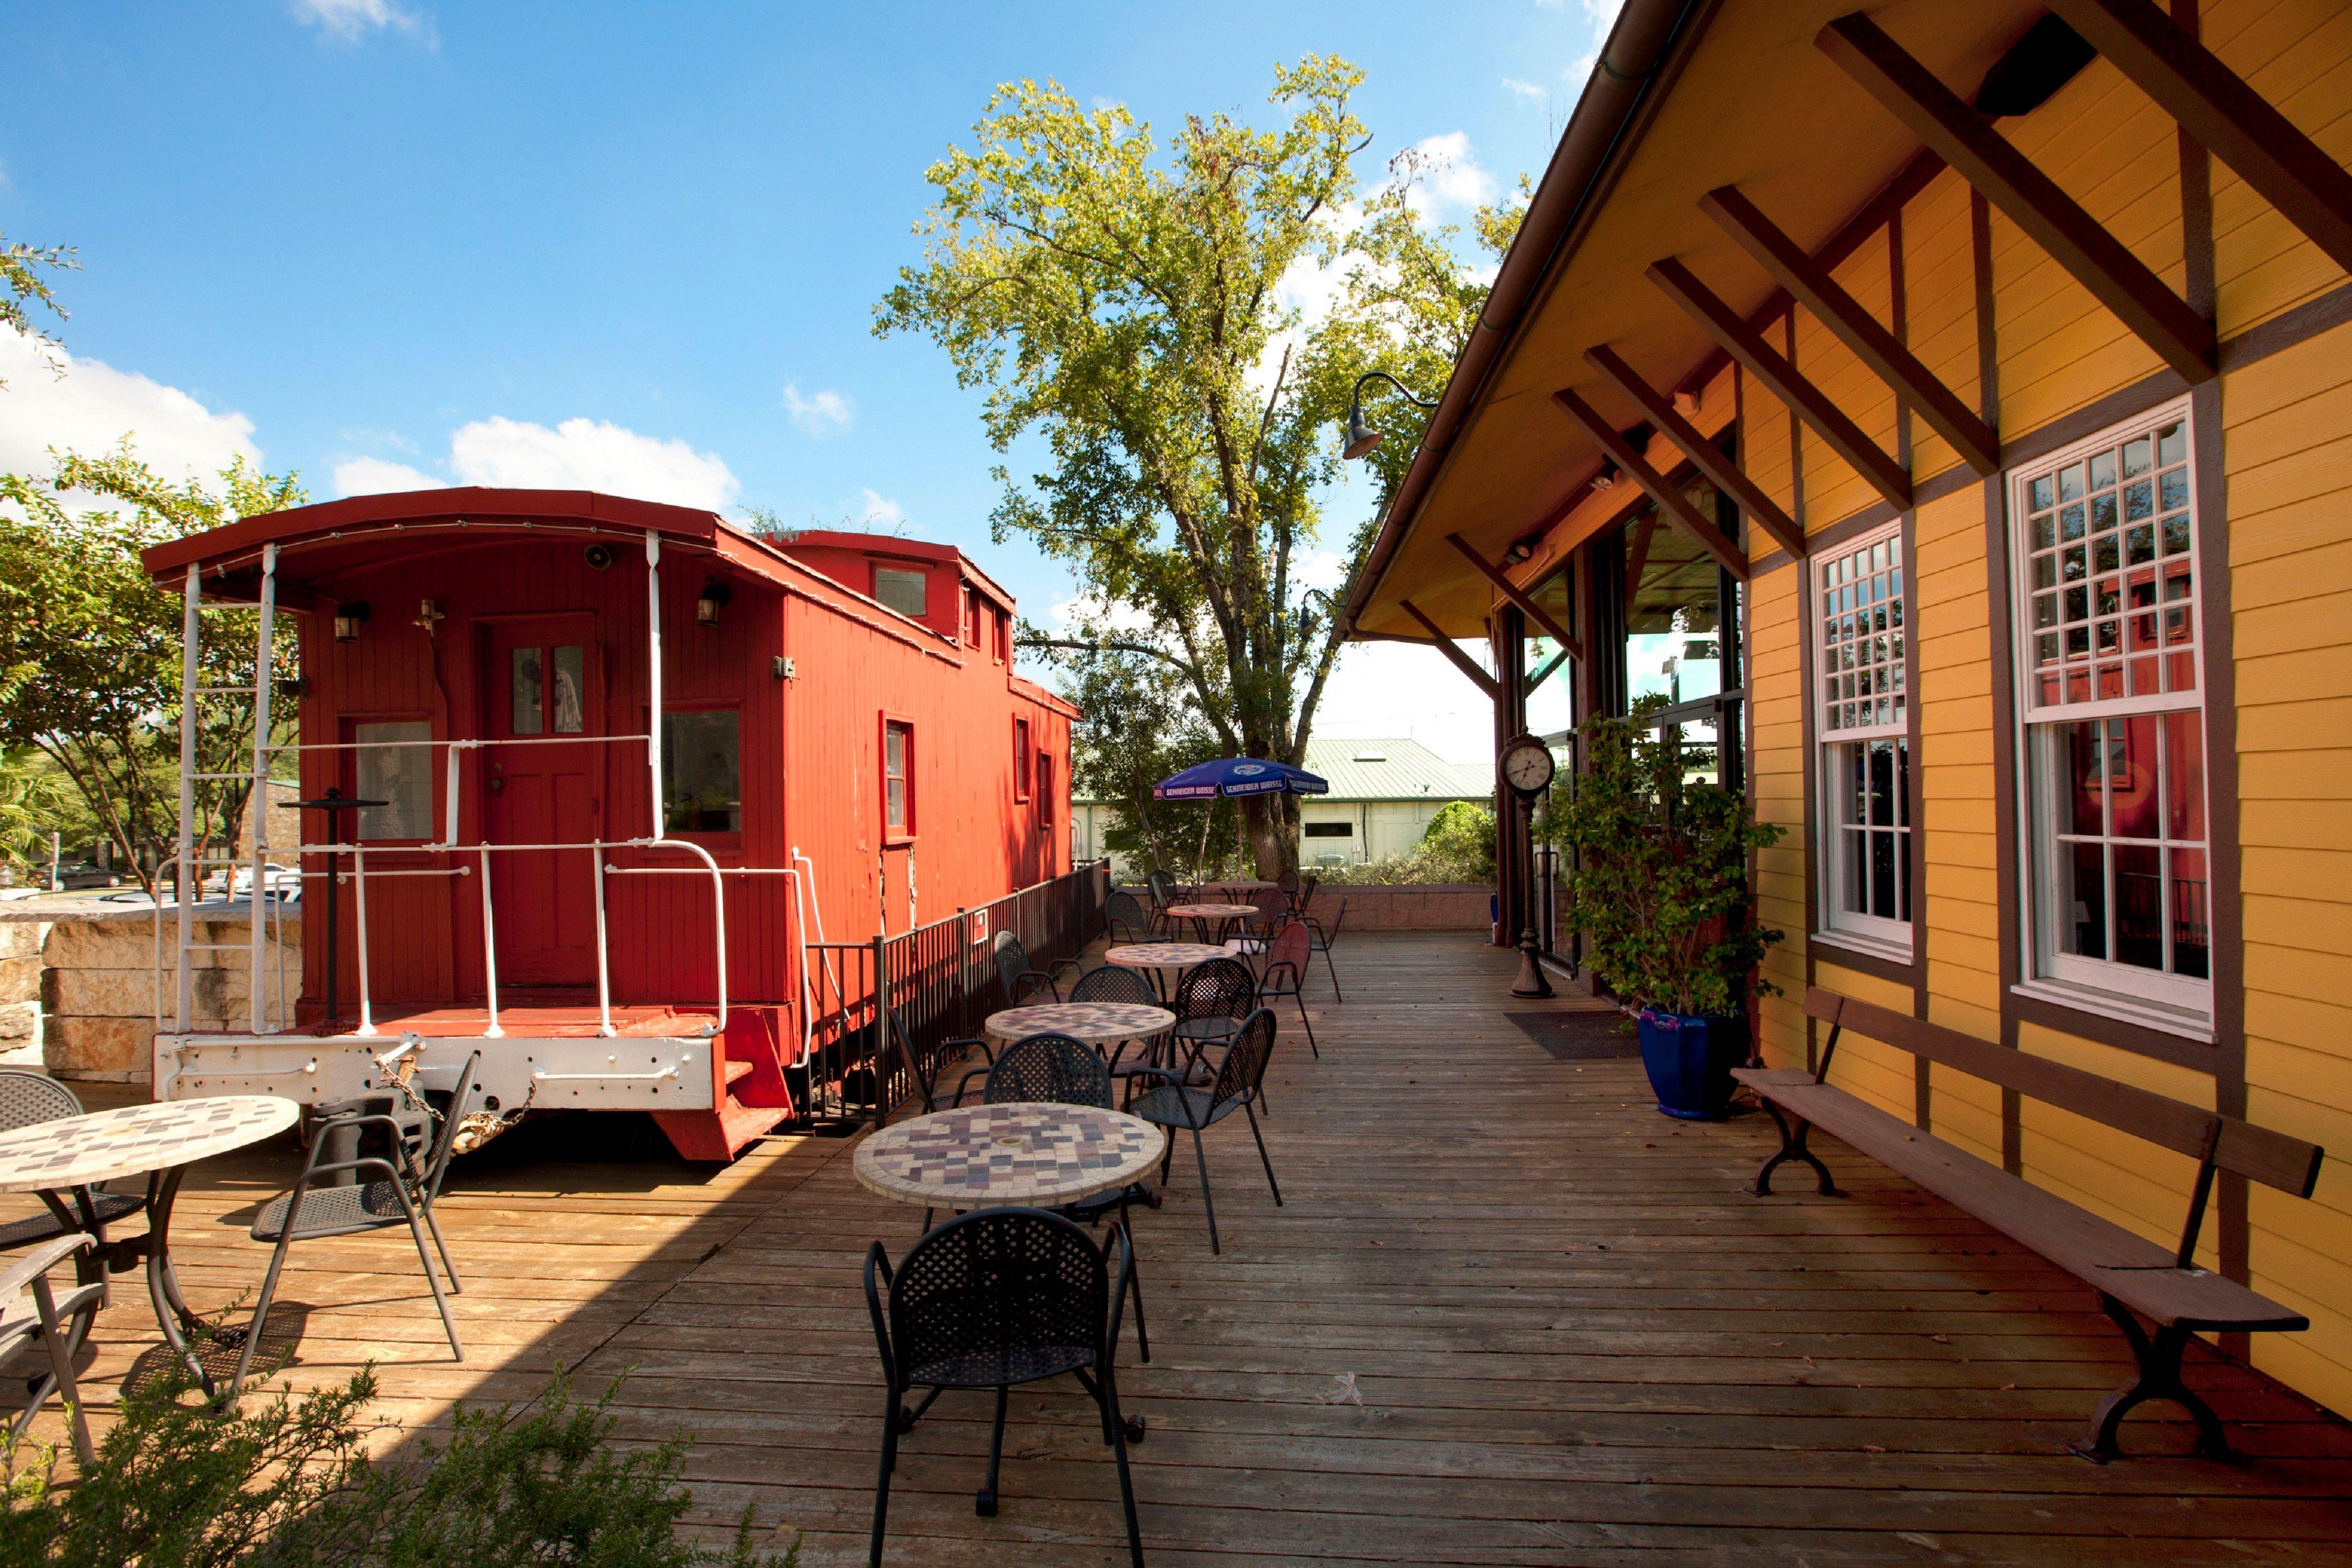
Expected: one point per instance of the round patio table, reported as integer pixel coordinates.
(1095, 1023)
(1202, 914)
(1034, 1154)
(159, 1141)
(1161, 958)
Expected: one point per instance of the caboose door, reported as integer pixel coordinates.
(543, 681)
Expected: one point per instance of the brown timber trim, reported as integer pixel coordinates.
(1808, 401)
(1517, 596)
(1833, 952)
(1461, 661)
(2095, 259)
(2286, 330)
(1671, 500)
(1811, 284)
(2216, 106)
(1878, 515)
(1704, 455)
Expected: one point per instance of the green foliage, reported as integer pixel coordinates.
(1661, 880)
(89, 647)
(22, 286)
(1126, 300)
(289, 1485)
(1140, 726)
(37, 799)
(1457, 847)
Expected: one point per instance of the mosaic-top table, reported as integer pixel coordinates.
(1163, 954)
(1030, 1152)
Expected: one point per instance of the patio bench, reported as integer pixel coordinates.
(2131, 1274)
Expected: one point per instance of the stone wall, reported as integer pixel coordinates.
(1408, 907)
(96, 978)
(20, 988)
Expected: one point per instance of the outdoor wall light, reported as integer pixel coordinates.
(715, 594)
(1362, 437)
(349, 616)
(598, 556)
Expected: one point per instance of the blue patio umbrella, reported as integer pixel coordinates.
(1235, 777)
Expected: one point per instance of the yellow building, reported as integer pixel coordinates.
(1951, 410)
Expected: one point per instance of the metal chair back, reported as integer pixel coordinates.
(1125, 917)
(1288, 882)
(1110, 982)
(1243, 1069)
(1306, 886)
(995, 1290)
(1221, 988)
(1050, 1069)
(437, 1164)
(1162, 887)
(1273, 907)
(28, 1099)
(1288, 949)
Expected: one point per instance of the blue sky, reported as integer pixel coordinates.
(631, 247)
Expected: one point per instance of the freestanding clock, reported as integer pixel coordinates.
(1526, 765)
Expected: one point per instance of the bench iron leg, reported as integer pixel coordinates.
(2159, 1378)
(1793, 1147)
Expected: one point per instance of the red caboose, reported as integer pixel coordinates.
(843, 747)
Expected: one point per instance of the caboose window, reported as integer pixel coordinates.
(702, 772)
(900, 591)
(898, 745)
(525, 680)
(389, 765)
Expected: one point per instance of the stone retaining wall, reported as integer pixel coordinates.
(1408, 907)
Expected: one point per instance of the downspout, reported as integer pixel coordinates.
(1621, 77)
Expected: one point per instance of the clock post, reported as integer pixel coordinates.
(1525, 771)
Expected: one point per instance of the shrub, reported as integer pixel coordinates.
(289, 1485)
(1457, 846)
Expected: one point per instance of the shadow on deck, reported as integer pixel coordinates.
(1509, 1315)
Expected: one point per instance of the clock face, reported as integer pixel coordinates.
(1528, 766)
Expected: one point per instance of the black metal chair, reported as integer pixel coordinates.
(1021, 983)
(1110, 982)
(1164, 891)
(994, 1300)
(1124, 916)
(925, 1075)
(28, 1099)
(395, 1184)
(1321, 939)
(1175, 1103)
(30, 1310)
(1284, 974)
(1306, 896)
(1212, 1000)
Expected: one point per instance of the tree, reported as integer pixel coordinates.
(22, 286)
(1140, 726)
(89, 647)
(1135, 313)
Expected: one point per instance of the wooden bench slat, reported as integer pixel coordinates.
(2126, 1266)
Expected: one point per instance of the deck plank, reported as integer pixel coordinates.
(1509, 1314)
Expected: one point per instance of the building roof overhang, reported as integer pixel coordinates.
(1689, 95)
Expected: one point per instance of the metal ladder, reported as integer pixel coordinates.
(192, 867)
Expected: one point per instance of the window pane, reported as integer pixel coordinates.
(569, 687)
(2132, 799)
(702, 789)
(2139, 905)
(523, 692)
(895, 738)
(1674, 613)
(897, 790)
(399, 775)
(2191, 938)
(2184, 776)
(901, 590)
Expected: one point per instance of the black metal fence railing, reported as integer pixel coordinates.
(940, 981)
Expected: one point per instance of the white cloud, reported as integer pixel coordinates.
(349, 21)
(879, 510)
(1385, 690)
(1523, 88)
(589, 455)
(821, 412)
(1445, 175)
(376, 476)
(92, 406)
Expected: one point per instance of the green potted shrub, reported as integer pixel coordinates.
(1662, 895)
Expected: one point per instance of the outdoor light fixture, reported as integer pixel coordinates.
(598, 556)
(1362, 437)
(349, 616)
(715, 594)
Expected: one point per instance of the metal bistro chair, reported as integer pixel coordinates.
(1164, 891)
(1212, 1000)
(1177, 1104)
(1274, 910)
(1286, 974)
(26, 1099)
(1306, 895)
(1021, 983)
(1322, 939)
(1124, 916)
(402, 1183)
(996, 1298)
(926, 1079)
(1110, 982)
(30, 1310)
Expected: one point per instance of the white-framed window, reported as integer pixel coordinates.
(904, 591)
(1861, 639)
(2110, 706)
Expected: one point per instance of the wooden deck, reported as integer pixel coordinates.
(1509, 1315)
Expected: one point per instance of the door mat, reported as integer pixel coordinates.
(1579, 1036)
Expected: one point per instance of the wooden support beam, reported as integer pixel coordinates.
(1517, 596)
(1810, 285)
(2216, 106)
(1706, 457)
(1763, 362)
(1671, 500)
(2051, 218)
(1461, 661)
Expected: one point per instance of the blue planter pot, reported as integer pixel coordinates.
(1689, 1060)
